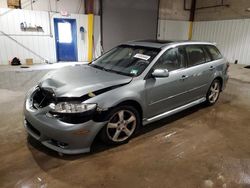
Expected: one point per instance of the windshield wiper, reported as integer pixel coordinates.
(110, 70)
(97, 66)
(118, 72)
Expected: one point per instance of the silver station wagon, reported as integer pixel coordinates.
(132, 85)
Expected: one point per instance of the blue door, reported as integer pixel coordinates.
(66, 39)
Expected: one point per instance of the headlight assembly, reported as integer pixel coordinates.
(72, 108)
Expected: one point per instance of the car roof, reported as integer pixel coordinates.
(163, 43)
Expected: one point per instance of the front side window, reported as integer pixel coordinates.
(126, 60)
(215, 54)
(196, 55)
(172, 59)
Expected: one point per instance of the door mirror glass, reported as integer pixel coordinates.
(160, 73)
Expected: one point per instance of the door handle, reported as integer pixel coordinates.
(184, 77)
(211, 68)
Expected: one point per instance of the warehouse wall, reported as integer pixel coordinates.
(173, 30)
(231, 36)
(236, 10)
(42, 43)
(173, 10)
(229, 27)
(3, 3)
(72, 6)
(128, 20)
(173, 21)
(97, 51)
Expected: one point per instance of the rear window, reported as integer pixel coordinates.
(214, 52)
(196, 55)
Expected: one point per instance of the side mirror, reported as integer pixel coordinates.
(160, 73)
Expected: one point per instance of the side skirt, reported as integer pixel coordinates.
(174, 111)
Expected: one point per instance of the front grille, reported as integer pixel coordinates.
(33, 129)
(43, 98)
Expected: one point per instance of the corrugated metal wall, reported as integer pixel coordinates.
(173, 30)
(72, 6)
(42, 43)
(232, 37)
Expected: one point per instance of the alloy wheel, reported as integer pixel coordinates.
(214, 92)
(121, 126)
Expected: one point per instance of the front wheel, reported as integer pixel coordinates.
(122, 124)
(213, 92)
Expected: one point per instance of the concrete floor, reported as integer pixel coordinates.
(200, 147)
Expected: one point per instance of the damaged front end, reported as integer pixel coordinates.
(64, 126)
(71, 110)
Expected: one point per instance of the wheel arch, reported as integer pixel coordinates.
(134, 104)
(102, 116)
(220, 80)
(131, 103)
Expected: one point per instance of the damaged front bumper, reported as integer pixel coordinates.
(57, 135)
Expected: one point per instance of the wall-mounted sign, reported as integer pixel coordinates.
(64, 13)
(25, 27)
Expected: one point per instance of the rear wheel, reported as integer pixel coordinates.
(122, 123)
(213, 92)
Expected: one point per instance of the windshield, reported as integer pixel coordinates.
(126, 60)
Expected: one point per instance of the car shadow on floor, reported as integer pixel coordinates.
(98, 146)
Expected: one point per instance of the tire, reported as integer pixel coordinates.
(213, 93)
(123, 122)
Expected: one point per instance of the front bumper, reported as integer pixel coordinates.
(57, 135)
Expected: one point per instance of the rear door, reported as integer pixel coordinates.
(199, 72)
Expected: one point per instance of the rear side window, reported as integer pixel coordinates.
(207, 54)
(196, 55)
(214, 52)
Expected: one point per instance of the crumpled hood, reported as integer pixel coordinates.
(76, 81)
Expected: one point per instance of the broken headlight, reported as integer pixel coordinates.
(72, 108)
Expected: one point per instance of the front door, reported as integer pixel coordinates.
(66, 39)
(164, 94)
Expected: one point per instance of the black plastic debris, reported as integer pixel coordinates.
(25, 67)
(247, 67)
(15, 61)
